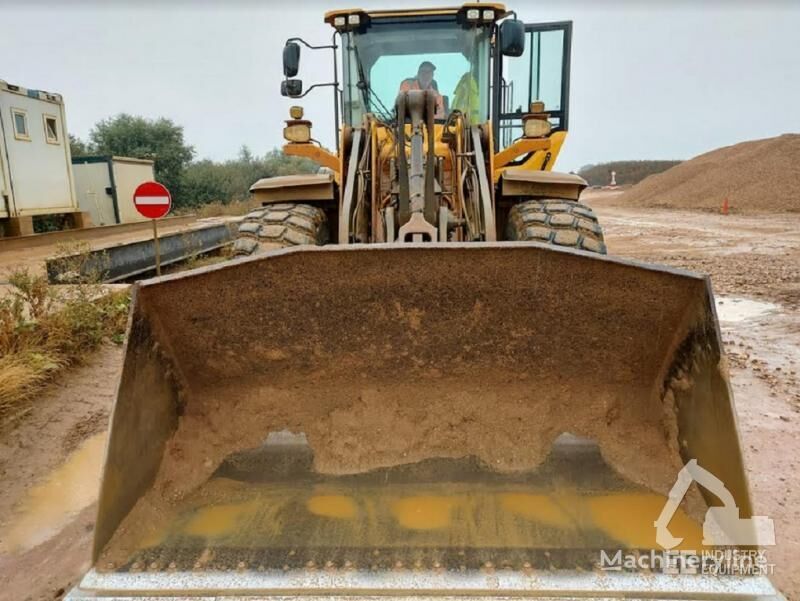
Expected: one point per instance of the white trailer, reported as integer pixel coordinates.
(104, 186)
(34, 160)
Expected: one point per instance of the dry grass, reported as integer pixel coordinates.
(45, 328)
(207, 259)
(20, 375)
(219, 209)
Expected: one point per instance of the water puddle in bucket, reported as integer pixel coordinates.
(267, 506)
(53, 503)
(736, 309)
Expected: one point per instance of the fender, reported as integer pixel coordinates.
(519, 182)
(313, 188)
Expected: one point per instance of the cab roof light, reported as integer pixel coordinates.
(358, 20)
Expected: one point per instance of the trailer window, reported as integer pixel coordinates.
(51, 129)
(20, 119)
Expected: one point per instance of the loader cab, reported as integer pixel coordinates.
(487, 64)
(386, 54)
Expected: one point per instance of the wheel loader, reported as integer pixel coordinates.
(423, 376)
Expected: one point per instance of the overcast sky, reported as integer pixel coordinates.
(660, 80)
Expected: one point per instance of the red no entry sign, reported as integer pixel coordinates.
(152, 200)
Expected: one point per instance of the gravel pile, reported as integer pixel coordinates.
(755, 177)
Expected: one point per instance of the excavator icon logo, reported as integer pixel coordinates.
(722, 525)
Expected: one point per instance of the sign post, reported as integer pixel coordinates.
(158, 250)
(153, 201)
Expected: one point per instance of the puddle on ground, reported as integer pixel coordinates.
(53, 503)
(736, 309)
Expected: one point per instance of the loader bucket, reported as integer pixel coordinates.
(384, 409)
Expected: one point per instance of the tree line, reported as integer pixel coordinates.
(191, 182)
(627, 172)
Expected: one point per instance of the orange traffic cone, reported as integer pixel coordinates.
(725, 207)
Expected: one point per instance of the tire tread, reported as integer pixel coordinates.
(281, 225)
(557, 222)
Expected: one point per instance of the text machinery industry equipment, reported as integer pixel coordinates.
(425, 377)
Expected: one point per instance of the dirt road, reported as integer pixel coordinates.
(755, 266)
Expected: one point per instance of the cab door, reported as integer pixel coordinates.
(541, 73)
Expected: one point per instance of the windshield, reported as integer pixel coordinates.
(394, 56)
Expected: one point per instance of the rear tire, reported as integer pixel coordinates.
(557, 222)
(279, 225)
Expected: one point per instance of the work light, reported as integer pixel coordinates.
(299, 133)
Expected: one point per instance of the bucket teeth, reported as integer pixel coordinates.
(526, 567)
(352, 560)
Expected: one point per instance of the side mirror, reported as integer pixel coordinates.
(291, 59)
(291, 87)
(512, 38)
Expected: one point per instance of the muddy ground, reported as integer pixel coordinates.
(755, 266)
(51, 461)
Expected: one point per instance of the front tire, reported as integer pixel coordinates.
(280, 225)
(556, 222)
